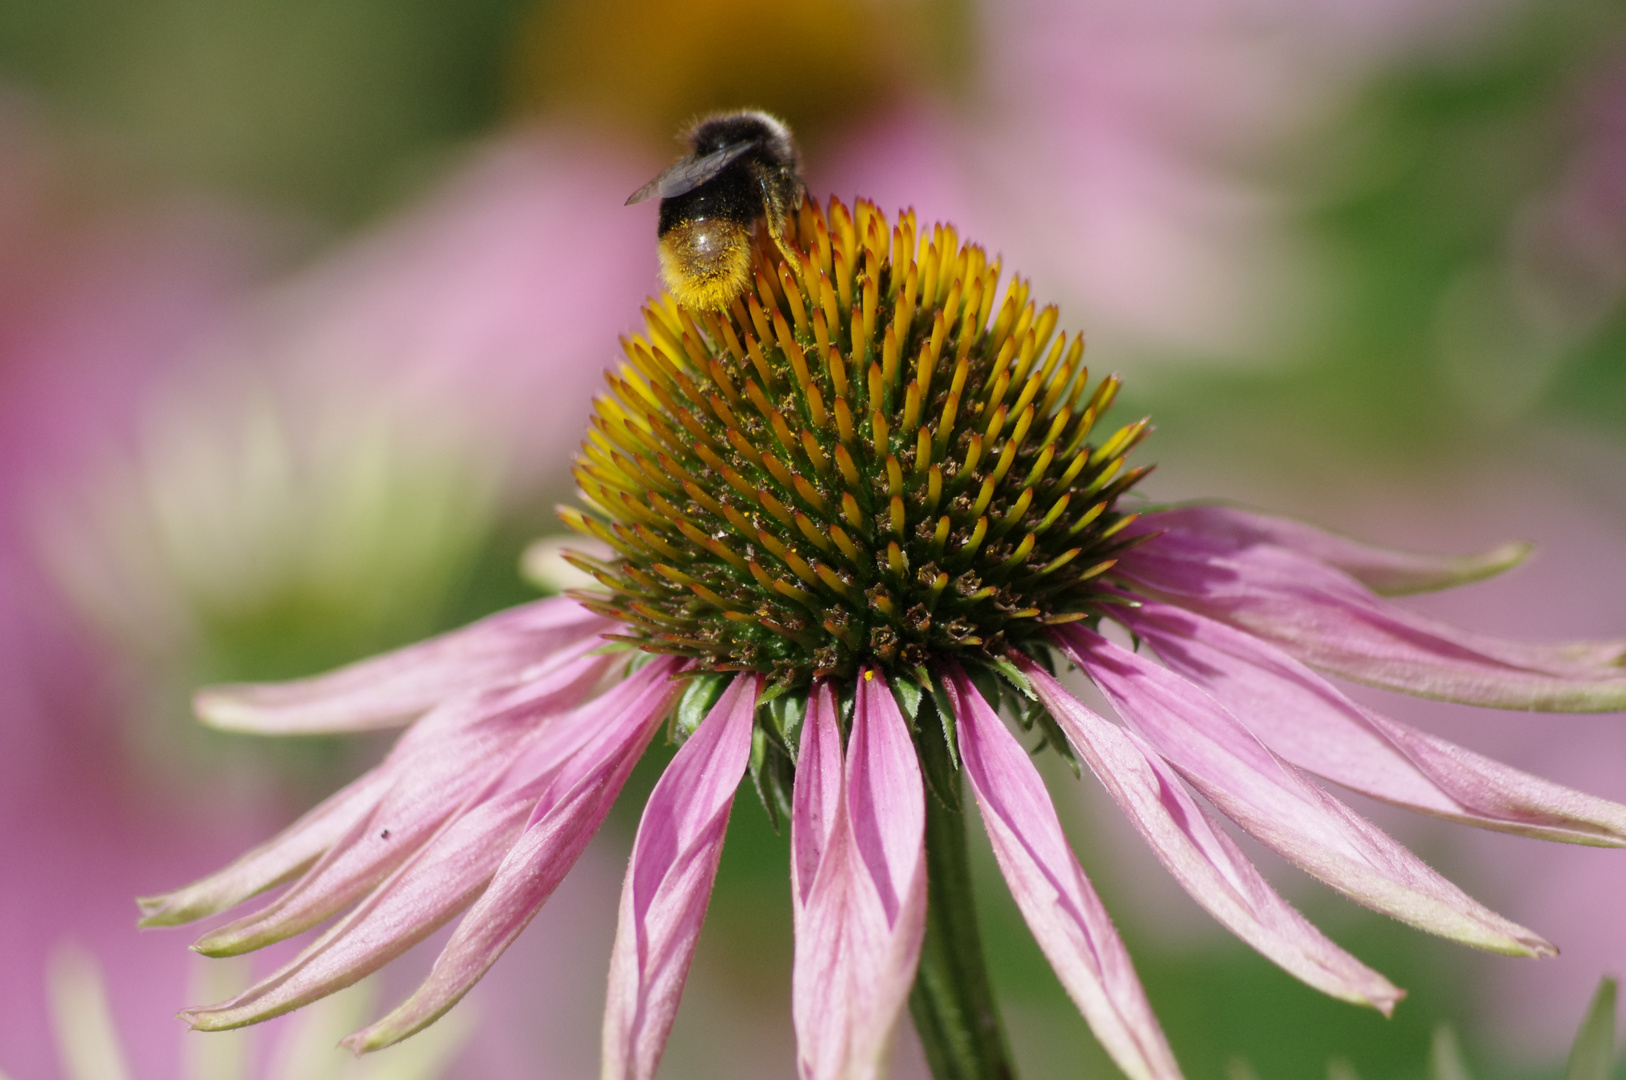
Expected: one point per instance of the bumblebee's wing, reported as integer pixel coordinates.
(690, 173)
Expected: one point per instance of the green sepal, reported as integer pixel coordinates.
(945, 713)
(698, 697)
(938, 761)
(1036, 716)
(1015, 677)
(1592, 1057)
(909, 696)
(772, 774)
(772, 691)
(782, 715)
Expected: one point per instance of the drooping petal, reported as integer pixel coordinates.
(1056, 899)
(441, 762)
(290, 853)
(440, 879)
(1327, 620)
(567, 815)
(859, 923)
(668, 883)
(389, 690)
(445, 874)
(1306, 720)
(1282, 809)
(1223, 573)
(1202, 858)
(1386, 571)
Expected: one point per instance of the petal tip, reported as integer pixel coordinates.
(393, 1028)
(218, 946)
(205, 1020)
(222, 707)
(155, 911)
(1502, 557)
(174, 909)
(1386, 1001)
(362, 1042)
(1524, 943)
(1463, 569)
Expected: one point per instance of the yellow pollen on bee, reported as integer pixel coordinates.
(705, 265)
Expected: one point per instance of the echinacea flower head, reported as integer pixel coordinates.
(840, 527)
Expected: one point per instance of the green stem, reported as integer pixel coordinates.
(952, 1003)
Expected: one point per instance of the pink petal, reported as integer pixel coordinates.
(861, 913)
(298, 846)
(819, 795)
(440, 879)
(668, 883)
(1302, 717)
(1276, 804)
(567, 815)
(444, 875)
(389, 690)
(1385, 571)
(1205, 860)
(443, 760)
(1057, 900)
(1328, 621)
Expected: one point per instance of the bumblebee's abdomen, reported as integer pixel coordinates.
(706, 240)
(707, 263)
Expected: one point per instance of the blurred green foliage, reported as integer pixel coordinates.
(1410, 195)
(302, 104)
(332, 109)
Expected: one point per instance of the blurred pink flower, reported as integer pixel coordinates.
(486, 305)
(511, 762)
(92, 1046)
(351, 436)
(1120, 151)
(98, 294)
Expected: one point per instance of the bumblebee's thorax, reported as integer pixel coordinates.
(734, 197)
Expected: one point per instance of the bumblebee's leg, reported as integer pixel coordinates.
(775, 211)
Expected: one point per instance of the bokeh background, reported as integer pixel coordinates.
(301, 304)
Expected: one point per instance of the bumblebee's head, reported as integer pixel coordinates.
(771, 138)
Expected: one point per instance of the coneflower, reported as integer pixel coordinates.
(843, 526)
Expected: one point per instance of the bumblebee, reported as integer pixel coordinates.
(742, 167)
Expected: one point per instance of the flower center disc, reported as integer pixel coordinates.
(852, 463)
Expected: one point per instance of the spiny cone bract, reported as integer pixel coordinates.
(870, 458)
